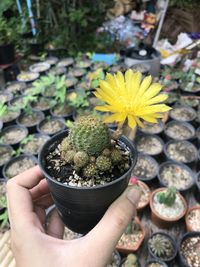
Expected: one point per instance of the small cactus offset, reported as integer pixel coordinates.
(89, 149)
(161, 246)
(131, 261)
(167, 197)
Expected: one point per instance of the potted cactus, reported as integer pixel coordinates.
(167, 206)
(88, 167)
(162, 246)
(131, 261)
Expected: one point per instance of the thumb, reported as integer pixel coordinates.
(109, 230)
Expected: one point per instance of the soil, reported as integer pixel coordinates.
(19, 166)
(49, 92)
(61, 110)
(42, 104)
(169, 212)
(172, 98)
(131, 240)
(51, 126)
(27, 76)
(51, 60)
(15, 87)
(13, 136)
(175, 175)
(66, 174)
(30, 119)
(115, 260)
(144, 168)
(65, 62)
(189, 102)
(4, 97)
(194, 219)
(10, 115)
(2, 188)
(33, 146)
(152, 128)
(77, 72)
(179, 131)
(155, 264)
(181, 151)
(69, 82)
(149, 145)
(17, 102)
(145, 195)
(182, 114)
(84, 64)
(5, 155)
(190, 249)
(40, 67)
(83, 85)
(57, 70)
(31, 91)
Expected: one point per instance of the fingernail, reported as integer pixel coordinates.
(134, 195)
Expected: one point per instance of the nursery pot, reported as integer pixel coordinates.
(9, 150)
(155, 261)
(159, 220)
(81, 208)
(197, 189)
(182, 259)
(189, 226)
(7, 54)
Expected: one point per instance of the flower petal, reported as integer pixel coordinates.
(131, 121)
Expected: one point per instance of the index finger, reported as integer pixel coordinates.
(20, 204)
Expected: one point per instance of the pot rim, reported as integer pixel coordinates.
(13, 127)
(182, 106)
(122, 139)
(147, 202)
(182, 165)
(177, 218)
(187, 124)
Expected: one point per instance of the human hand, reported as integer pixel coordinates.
(34, 245)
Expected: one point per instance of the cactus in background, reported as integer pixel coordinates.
(167, 197)
(90, 134)
(81, 159)
(161, 246)
(131, 261)
(103, 163)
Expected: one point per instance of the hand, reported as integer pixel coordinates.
(34, 246)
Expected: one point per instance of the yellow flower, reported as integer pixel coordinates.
(128, 97)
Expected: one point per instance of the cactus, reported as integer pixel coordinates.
(81, 159)
(161, 246)
(90, 134)
(68, 156)
(103, 163)
(167, 197)
(131, 261)
(65, 145)
(116, 156)
(90, 170)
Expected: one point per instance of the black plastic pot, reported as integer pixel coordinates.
(190, 109)
(81, 208)
(197, 189)
(10, 151)
(7, 54)
(158, 132)
(169, 260)
(8, 95)
(61, 121)
(36, 47)
(198, 136)
(15, 99)
(182, 260)
(45, 110)
(68, 116)
(167, 163)
(20, 87)
(10, 122)
(149, 180)
(13, 160)
(56, 52)
(51, 60)
(168, 137)
(192, 162)
(156, 261)
(31, 127)
(158, 156)
(14, 128)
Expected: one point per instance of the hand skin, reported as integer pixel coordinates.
(34, 246)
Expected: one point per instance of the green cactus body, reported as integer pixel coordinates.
(68, 156)
(81, 159)
(161, 246)
(65, 145)
(131, 261)
(90, 134)
(103, 163)
(90, 170)
(116, 156)
(168, 197)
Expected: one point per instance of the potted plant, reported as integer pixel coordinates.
(5, 96)
(18, 165)
(182, 152)
(40, 67)
(192, 219)
(150, 144)
(8, 114)
(27, 76)
(65, 62)
(167, 207)
(93, 164)
(176, 174)
(162, 246)
(131, 261)
(132, 238)
(155, 263)
(189, 249)
(7, 39)
(189, 101)
(6, 152)
(4, 223)
(51, 126)
(183, 113)
(15, 87)
(179, 131)
(146, 168)
(150, 128)
(51, 60)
